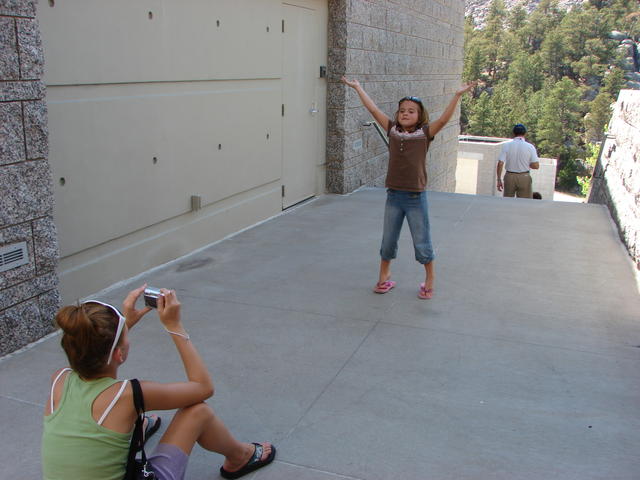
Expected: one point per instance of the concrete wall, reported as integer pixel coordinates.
(28, 292)
(395, 49)
(544, 179)
(476, 169)
(616, 177)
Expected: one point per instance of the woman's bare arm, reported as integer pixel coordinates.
(199, 386)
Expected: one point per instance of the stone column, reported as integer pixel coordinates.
(28, 292)
(394, 49)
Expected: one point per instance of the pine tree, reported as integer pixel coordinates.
(579, 27)
(542, 20)
(552, 53)
(613, 82)
(480, 116)
(594, 61)
(526, 72)
(474, 62)
(501, 110)
(598, 117)
(559, 130)
(492, 35)
(517, 18)
(535, 107)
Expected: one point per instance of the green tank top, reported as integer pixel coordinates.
(74, 446)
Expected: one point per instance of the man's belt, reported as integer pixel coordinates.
(518, 173)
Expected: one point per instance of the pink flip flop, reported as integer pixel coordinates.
(425, 293)
(384, 287)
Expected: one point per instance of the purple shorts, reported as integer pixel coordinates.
(168, 462)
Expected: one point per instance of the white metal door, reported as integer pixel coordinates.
(303, 94)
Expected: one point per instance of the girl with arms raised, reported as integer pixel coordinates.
(410, 134)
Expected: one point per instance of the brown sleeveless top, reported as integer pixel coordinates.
(407, 159)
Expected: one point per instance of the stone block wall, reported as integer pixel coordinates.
(394, 48)
(28, 293)
(616, 177)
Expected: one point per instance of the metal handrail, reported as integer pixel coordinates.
(378, 128)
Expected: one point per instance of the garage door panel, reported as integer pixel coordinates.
(120, 41)
(130, 158)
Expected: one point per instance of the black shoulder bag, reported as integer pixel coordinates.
(138, 469)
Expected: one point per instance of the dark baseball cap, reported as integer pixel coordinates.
(519, 129)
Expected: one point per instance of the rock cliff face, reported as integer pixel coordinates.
(616, 178)
(479, 9)
(629, 50)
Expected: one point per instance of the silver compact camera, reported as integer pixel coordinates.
(151, 295)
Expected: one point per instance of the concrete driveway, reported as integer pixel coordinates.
(525, 364)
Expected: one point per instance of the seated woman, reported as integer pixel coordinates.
(90, 414)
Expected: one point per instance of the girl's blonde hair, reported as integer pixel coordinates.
(423, 117)
(88, 333)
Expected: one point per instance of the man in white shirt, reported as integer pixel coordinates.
(519, 157)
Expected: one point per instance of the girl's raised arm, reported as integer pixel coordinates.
(369, 104)
(437, 125)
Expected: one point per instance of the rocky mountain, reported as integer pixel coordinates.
(479, 9)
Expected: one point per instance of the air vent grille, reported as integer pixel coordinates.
(13, 256)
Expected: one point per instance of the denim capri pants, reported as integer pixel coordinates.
(412, 205)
